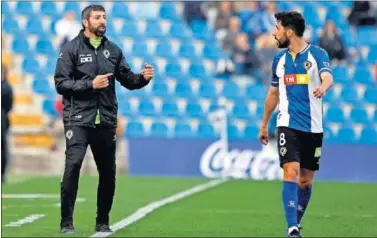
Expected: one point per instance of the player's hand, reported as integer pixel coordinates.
(263, 136)
(319, 92)
(101, 81)
(148, 72)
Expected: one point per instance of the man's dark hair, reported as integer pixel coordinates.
(85, 14)
(292, 20)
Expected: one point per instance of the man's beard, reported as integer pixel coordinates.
(97, 31)
(283, 43)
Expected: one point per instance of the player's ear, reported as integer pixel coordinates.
(85, 22)
(289, 32)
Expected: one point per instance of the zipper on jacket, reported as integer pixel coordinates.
(95, 51)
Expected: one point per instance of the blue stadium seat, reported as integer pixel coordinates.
(330, 97)
(124, 107)
(197, 70)
(194, 110)
(206, 131)
(44, 46)
(48, 107)
(34, 25)
(375, 116)
(349, 95)
(366, 35)
(207, 90)
(212, 51)
(370, 95)
(368, 136)
(372, 54)
(30, 65)
(187, 51)
(359, 115)
(168, 12)
(183, 89)
(201, 30)
(241, 111)
(159, 129)
(251, 132)
(312, 17)
(42, 86)
(362, 75)
(256, 92)
(153, 29)
(73, 6)
(10, 25)
(20, 46)
(5, 9)
(335, 13)
(50, 66)
(120, 10)
(170, 109)
(179, 31)
(140, 49)
(259, 111)
(163, 49)
(233, 132)
(346, 135)
(24, 8)
(160, 89)
(183, 129)
(231, 90)
(49, 9)
(335, 114)
(340, 74)
(173, 69)
(146, 108)
(130, 29)
(135, 129)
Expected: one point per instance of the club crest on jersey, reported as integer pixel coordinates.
(283, 151)
(106, 53)
(69, 134)
(307, 65)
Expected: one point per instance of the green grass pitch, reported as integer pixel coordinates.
(232, 209)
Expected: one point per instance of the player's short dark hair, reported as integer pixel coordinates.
(85, 14)
(292, 20)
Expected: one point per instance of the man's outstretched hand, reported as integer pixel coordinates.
(148, 72)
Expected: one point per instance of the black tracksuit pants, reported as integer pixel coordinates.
(102, 142)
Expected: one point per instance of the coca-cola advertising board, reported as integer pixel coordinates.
(242, 160)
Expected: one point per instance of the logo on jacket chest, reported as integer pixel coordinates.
(85, 58)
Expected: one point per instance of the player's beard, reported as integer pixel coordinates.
(98, 31)
(283, 43)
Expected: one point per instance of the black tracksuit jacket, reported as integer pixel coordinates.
(78, 65)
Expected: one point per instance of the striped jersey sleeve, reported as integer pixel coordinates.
(275, 78)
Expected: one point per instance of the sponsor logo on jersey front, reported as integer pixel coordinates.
(294, 79)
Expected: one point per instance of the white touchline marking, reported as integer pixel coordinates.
(78, 200)
(142, 212)
(29, 219)
(32, 196)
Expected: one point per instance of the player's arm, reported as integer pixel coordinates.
(270, 105)
(127, 78)
(64, 82)
(325, 73)
(272, 100)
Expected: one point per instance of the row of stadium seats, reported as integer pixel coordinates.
(195, 108)
(136, 128)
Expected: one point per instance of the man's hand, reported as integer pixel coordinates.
(319, 92)
(263, 135)
(148, 72)
(101, 81)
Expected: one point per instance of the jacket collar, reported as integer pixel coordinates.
(86, 39)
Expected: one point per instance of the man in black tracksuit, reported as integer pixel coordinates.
(85, 75)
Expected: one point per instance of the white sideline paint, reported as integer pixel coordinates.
(142, 212)
(29, 219)
(78, 200)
